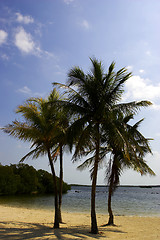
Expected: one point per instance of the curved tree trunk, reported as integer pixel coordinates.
(56, 216)
(61, 184)
(94, 228)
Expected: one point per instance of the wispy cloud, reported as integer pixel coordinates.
(24, 19)
(85, 24)
(68, 1)
(3, 37)
(25, 90)
(4, 57)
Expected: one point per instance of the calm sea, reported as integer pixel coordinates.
(125, 201)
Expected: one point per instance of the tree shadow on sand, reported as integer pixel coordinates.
(19, 230)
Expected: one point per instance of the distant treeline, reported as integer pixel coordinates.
(25, 179)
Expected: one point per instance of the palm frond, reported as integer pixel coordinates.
(85, 164)
(132, 107)
(34, 153)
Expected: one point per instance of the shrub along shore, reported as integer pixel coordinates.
(24, 179)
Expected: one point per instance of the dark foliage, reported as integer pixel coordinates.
(25, 179)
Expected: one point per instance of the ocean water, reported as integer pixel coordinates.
(129, 201)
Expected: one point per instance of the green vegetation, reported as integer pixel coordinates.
(24, 179)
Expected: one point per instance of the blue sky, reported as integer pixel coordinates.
(41, 40)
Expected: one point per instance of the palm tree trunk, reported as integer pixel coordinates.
(110, 192)
(94, 228)
(111, 219)
(56, 216)
(61, 184)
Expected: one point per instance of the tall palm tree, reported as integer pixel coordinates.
(40, 128)
(91, 97)
(128, 148)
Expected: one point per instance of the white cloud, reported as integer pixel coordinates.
(148, 53)
(158, 134)
(138, 88)
(25, 90)
(129, 68)
(24, 19)
(23, 41)
(68, 1)
(154, 161)
(141, 71)
(85, 24)
(3, 36)
(155, 106)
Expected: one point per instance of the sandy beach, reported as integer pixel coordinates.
(22, 223)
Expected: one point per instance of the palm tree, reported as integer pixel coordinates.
(91, 97)
(40, 127)
(128, 148)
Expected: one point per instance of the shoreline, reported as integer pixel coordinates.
(134, 186)
(70, 211)
(25, 223)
